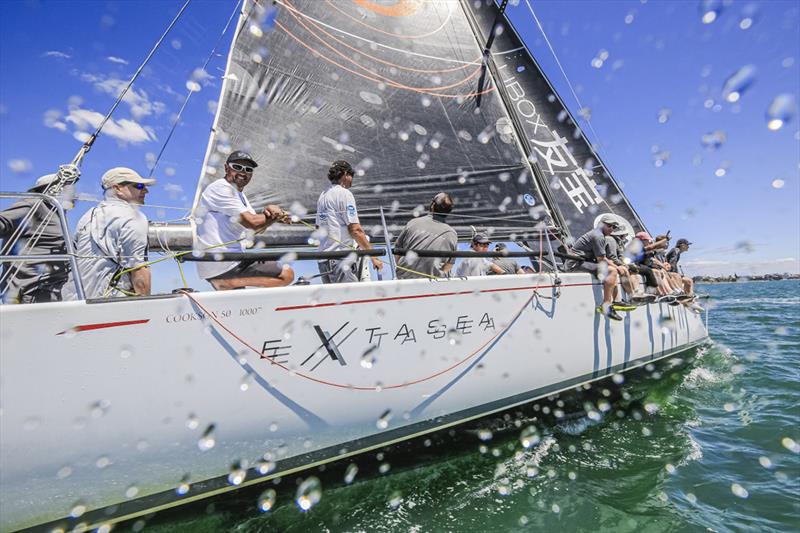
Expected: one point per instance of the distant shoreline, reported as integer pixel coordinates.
(700, 280)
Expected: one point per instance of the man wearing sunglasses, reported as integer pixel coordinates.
(111, 239)
(226, 222)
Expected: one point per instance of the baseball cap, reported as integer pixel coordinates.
(683, 241)
(481, 238)
(500, 246)
(118, 175)
(644, 236)
(241, 155)
(609, 220)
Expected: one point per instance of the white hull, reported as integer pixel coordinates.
(138, 387)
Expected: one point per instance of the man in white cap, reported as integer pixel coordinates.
(591, 248)
(36, 233)
(111, 239)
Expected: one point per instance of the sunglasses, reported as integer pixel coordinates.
(138, 186)
(241, 168)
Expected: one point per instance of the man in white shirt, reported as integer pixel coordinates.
(226, 222)
(111, 240)
(478, 266)
(337, 217)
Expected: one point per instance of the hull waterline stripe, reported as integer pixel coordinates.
(104, 325)
(432, 295)
(216, 486)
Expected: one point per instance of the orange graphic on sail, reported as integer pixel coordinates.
(401, 8)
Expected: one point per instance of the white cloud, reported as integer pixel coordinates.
(56, 54)
(52, 119)
(20, 165)
(118, 60)
(138, 100)
(124, 130)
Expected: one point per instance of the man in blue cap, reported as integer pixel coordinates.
(226, 222)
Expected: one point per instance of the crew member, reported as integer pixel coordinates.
(111, 239)
(673, 257)
(229, 224)
(37, 233)
(429, 232)
(591, 248)
(337, 217)
(506, 264)
(478, 266)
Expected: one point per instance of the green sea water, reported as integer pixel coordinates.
(702, 443)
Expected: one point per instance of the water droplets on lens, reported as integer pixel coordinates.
(383, 420)
(780, 111)
(738, 82)
(267, 500)
(350, 473)
(308, 493)
(207, 440)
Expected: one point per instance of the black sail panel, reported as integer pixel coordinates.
(580, 187)
(389, 87)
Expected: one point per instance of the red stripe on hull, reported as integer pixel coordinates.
(90, 327)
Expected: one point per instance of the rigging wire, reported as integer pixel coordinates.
(190, 92)
(66, 173)
(88, 144)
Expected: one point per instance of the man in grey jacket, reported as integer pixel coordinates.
(30, 226)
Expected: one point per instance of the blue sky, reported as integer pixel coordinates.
(651, 75)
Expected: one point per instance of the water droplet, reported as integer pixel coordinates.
(183, 487)
(273, 427)
(383, 421)
(667, 324)
(131, 491)
(193, 86)
(790, 444)
(778, 183)
(618, 379)
(384, 467)
(265, 467)
(713, 140)
(104, 528)
(246, 381)
(663, 115)
(78, 508)
(102, 462)
(691, 498)
(529, 437)
(192, 422)
(64, 471)
(256, 31)
(99, 408)
(780, 111)
(738, 82)
(126, 351)
(369, 358)
(555, 508)
(485, 435)
(670, 468)
(765, 462)
(395, 499)
(308, 493)
(651, 408)
(267, 500)
(739, 491)
(207, 440)
(237, 474)
(350, 473)
(710, 10)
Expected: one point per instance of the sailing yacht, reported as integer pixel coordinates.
(117, 408)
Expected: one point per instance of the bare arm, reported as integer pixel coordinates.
(263, 220)
(495, 269)
(140, 279)
(361, 239)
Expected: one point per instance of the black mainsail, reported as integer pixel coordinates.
(389, 86)
(400, 89)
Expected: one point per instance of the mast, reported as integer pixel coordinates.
(519, 133)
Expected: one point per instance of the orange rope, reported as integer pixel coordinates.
(389, 82)
(379, 60)
(208, 314)
(409, 37)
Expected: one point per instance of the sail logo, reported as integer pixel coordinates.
(554, 153)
